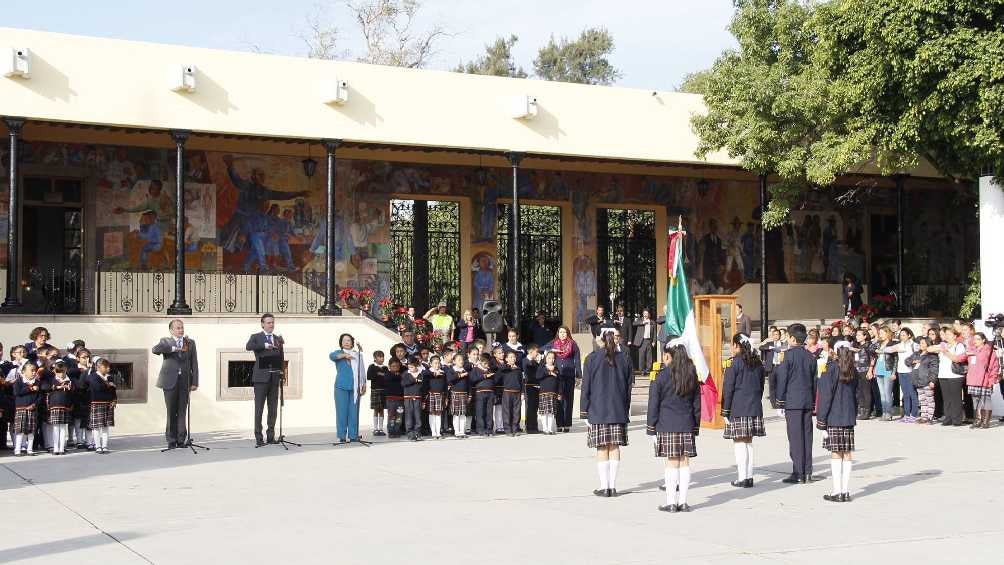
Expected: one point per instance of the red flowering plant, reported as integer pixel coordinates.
(423, 333)
(366, 298)
(401, 316)
(386, 306)
(438, 340)
(347, 295)
(865, 313)
(885, 303)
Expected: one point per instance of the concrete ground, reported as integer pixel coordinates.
(922, 495)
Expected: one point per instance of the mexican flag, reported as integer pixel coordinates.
(680, 319)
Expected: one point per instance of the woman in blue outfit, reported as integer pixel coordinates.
(350, 385)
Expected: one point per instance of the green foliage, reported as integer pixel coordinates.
(583, 60)
(497, 60)
(816, 90)
(695, 83)
(971, 301)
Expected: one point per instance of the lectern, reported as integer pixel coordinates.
(716, 324)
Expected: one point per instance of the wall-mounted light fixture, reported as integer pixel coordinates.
(182, 78)
(16, 62)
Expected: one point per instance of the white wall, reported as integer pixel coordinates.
(795, 301)
(316, 336)
(991, 229)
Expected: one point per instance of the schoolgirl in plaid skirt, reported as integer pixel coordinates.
(742, 407)
(460, 386)
(674, 420)
(27, 391)
(548, 375)
(605, 402)
(103, 399)
(60, 408)
(836, 415)
(376, 374)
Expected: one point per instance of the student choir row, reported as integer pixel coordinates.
(49, 403)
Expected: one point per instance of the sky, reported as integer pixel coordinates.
(657, 42)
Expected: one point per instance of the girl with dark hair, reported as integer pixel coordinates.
(836, 418)
(569, 368)
(674, 418)
(981, 376)
(742, 407)
(38, 338)
(864, 365)
(904, 374)
(605, 402)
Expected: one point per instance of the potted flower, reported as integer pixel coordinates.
(348, 297)
(366, 299)
(386, 306)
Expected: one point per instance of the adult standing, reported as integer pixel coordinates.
(645, 334)
(267, 376)
(624, 325)
(569, 368)
(38, 338)
(796, 399)
(984, 367)
(350, 385)
(179, 377)
(743, 323)
(852, 294)
(742, 406)
(606, 404)
(952, 371)
(441, 320)
(467, 330)
(597, 323)
(540, 333)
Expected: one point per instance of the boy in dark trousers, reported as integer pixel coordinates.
(531, 363)
(394, 398)
(376, 374)
(413, 381)
(796, 399)
(483, 380)
(512, 388)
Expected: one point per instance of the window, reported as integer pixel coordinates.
(236, 368)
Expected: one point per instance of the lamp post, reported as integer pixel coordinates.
(179, 307)
(330, 308)
(514, 160)
(12, 302)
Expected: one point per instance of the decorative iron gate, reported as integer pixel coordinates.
(425, 253)
(539, 261)
(625, 245)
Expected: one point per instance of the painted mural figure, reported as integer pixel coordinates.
(733, 247)
(484, 279)
(252, 196)
(150, 235)
(585, 285)
(748, 247)
(713, 256)
(156, 201)
(255, 233)
(279, 230)
(489, 210)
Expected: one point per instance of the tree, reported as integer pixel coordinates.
(497, 60)
(583, 60)
(388, 28)
(321, 39)
(695, 82)
(815, 91)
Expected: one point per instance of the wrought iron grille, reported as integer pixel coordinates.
(52, 291)
(425, 253)
(539, 261)
(625, 245)
(209, 292)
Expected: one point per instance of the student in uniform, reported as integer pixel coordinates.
(27, 391)
(45, 356)
(376, 374)
(796, 398)
(497, 364)
(531, 387)
(394, 396)
(436, 383)
(512, 344)
(78, 372)
(413, 381)
(457, 375)
(838, 407)
(60, 407)
(483, 380)
(770, 351)
(547, 377)
(511, 377)
(674, 421)
(742, 406)
(103, 398)
(18, 357)
(6, 400)
(924, 379)
(605, 402)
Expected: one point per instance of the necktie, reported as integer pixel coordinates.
(180, 344)
(268, 338)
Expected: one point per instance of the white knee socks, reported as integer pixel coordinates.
(612, 466)
(457, 429)
(18, 442)
(497, 417)
(376, 423)
(845, 477)
(672, 481)
(59, 433)
(836, 470)
(103, 437)
(602, 469)
(749, 460)
(684, 483)
(741, 460)
(436, 424)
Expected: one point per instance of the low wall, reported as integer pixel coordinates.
(312, 337)
(794, 301)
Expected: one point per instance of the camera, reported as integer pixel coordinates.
(995, 321)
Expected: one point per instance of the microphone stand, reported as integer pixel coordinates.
(281, 440)
(188, 442)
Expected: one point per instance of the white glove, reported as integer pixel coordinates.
(780, 412)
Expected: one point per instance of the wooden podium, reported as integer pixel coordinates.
(716, 324)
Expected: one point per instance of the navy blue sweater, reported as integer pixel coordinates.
(838, 402)
(670, 413)
(482, 379)
(511, 378)
(796, 380)
(458, 380)
(606, 389)
(743, 390)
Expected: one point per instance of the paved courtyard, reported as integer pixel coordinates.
(922, 495)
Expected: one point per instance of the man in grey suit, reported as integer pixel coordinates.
(267, 376)
(179, 376)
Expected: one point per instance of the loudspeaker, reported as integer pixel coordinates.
(491, 317)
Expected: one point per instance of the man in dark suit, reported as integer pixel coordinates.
(267, 376)
(743, 323)
(796, 399)
(179, 377)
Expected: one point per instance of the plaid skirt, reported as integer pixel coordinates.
(675, 444)
(435, 403)
(606, 435)
(458, 403)
(548, 404)
(745, 426)
(377, 400)
(102, 415)
(839, 439)
(979, 391)
(59, 416)
(25, 421)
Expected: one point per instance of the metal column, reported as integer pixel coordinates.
(13, 302)
(330, 308)
(763, 258)
(179, 306)
(514, 160)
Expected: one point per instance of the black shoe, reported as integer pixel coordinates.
(833, 497)
(808, 479)
(662, 488)
(845, 497)
(611, 493)
(946, 423)
(683, 507)
(739, 484)
(600, 492)
(749, 483)
(259, 443)
(669, 508)
(792, 479)
(271, 441)
(172, 445)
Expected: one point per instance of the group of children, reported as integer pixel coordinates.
(49, 403)
(418, 393)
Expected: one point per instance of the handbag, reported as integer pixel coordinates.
(959, 368)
